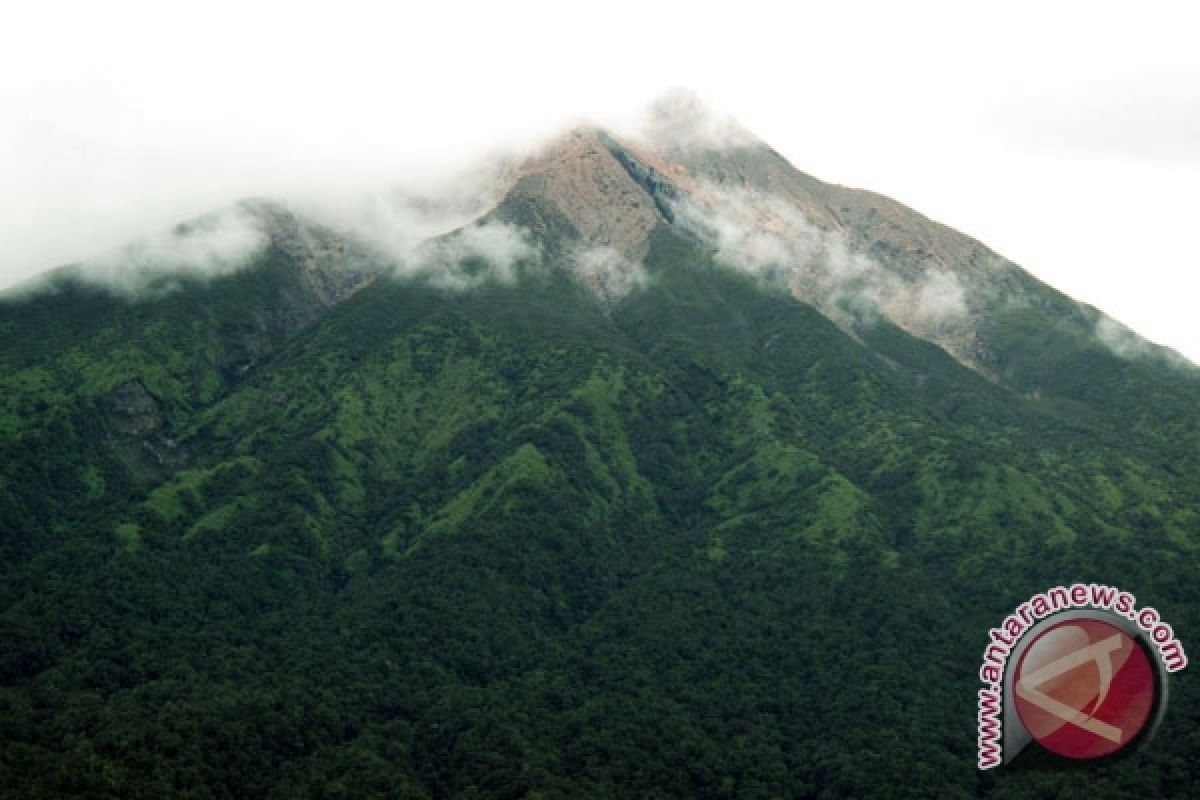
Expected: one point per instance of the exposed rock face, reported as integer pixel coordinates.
(313, 268)
(591, 201)
(330, 266)
(591, 190)
(575, 192)
(140, 429)
(320, 269)
(133, 410)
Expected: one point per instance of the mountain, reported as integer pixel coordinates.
(670, 472)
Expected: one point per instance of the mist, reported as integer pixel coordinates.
(216, 244)
(479, 253)
(607, 274)
(681, 119)
(432, 227)
(135, 116)
(1125, 343)
(772, 240)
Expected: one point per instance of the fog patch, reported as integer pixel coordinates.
(772, 240)
(434, 230)
(479, 253)
(940, 296)
(606, 273)
(216, 244)
(681, 120)
(1127, 344)
(396, 219)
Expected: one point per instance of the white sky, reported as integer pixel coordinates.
(1064, 135)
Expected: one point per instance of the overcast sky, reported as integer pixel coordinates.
(1064, 135)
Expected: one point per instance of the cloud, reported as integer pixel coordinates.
(1127, 344)
(771, 239)
(479, 253)
(606, 273)
(680, 119)
(432, 228)
(941, 296)
(407, 209)
(1120, 339)
(428, 231)
(216, 244)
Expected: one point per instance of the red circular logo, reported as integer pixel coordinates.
(1084, 688)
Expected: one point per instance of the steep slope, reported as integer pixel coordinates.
(575, 192)
(857, 256)
(119, 375)
(704, 540)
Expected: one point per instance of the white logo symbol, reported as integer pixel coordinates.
(1100, 653)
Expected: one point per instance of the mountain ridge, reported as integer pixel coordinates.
(529, 534)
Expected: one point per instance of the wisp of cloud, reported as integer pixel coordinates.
(216, 244)
(771, 239)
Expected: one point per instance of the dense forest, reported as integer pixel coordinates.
(509, 542)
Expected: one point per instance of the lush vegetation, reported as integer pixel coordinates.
(501, 543)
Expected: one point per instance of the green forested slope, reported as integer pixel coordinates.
(501, 543)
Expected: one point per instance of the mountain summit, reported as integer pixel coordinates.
(652, 467)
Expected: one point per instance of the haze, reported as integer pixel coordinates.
(1065, 137)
